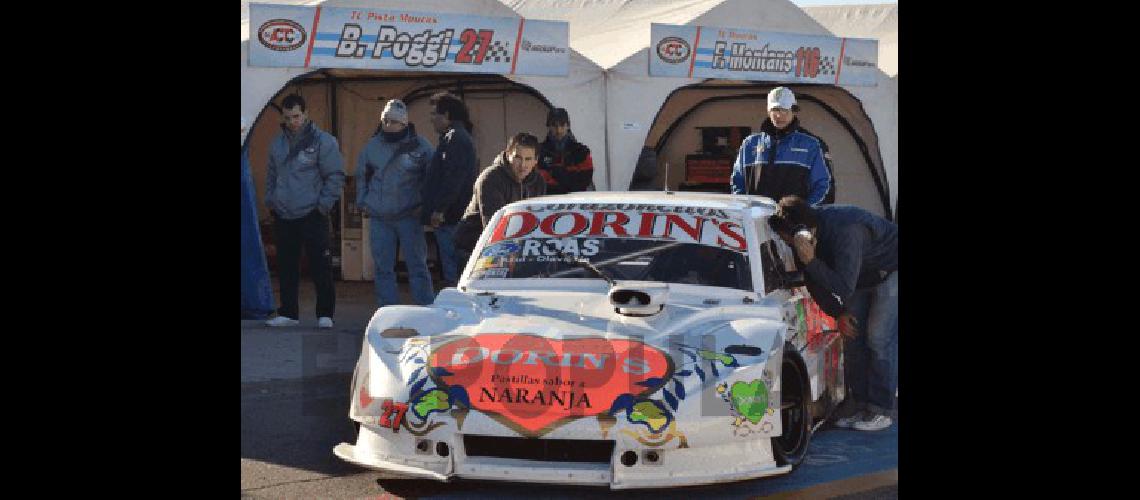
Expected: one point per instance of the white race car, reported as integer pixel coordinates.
(632, 339)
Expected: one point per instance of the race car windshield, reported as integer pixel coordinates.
(619, 258)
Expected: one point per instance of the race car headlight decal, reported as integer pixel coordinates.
(392, 340)
(399, 333)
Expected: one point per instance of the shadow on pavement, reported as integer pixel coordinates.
(297, 423)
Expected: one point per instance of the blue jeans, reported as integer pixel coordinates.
(448, 260)
(871, 358)
(410, 235)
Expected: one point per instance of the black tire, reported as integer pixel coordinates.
(791, 447)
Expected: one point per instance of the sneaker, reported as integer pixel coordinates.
(873, 422)
(324, 322)
(849, 421)
(282, 321)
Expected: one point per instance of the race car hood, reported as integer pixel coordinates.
(563, 313)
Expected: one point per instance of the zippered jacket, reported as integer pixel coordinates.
(305, 172)
(777, 163)
(390, 175)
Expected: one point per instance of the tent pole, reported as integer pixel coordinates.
(606, 127)
(334, 125)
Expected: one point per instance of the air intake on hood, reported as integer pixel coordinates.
(639, 298)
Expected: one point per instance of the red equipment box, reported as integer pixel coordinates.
(701, 168)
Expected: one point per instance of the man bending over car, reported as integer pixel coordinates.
(850, 259)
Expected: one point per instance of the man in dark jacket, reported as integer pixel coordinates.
(450, 177)
(851, 259)
(304, 181)
(782, 159)
(565, 164)
(510, 178)
(645, 173)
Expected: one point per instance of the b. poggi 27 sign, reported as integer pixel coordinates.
(756, 55)
(397, 39)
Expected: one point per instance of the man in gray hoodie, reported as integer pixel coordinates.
(511, 177)
(389, 175)
(305, 179)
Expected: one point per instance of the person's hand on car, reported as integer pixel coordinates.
(805, 247)
(848, 326)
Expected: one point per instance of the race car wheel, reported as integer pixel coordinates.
(795, 413)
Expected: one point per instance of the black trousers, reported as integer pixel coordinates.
(312, 233)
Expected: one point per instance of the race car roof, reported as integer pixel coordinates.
(685, 199)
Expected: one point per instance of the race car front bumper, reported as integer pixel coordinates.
(744, 459)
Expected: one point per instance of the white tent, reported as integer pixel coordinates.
(860, 124)
(500, 105)
(878, 21)
(616, 111)
(347, 103)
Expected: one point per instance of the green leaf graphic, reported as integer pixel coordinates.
(750, 399)
(649, 413)
(434, 399)
(726, 359)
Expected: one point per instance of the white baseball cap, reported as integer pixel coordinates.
(395, 110)
(781, 97)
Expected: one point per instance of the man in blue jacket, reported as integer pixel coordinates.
(782, 159)
(304, 182)
(851, 257)
(450, 178)
(389, 177)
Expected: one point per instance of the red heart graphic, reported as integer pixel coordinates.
(534, 384)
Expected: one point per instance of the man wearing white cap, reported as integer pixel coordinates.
(782, 159)
(389, 176)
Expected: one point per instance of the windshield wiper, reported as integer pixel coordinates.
(585, 264)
